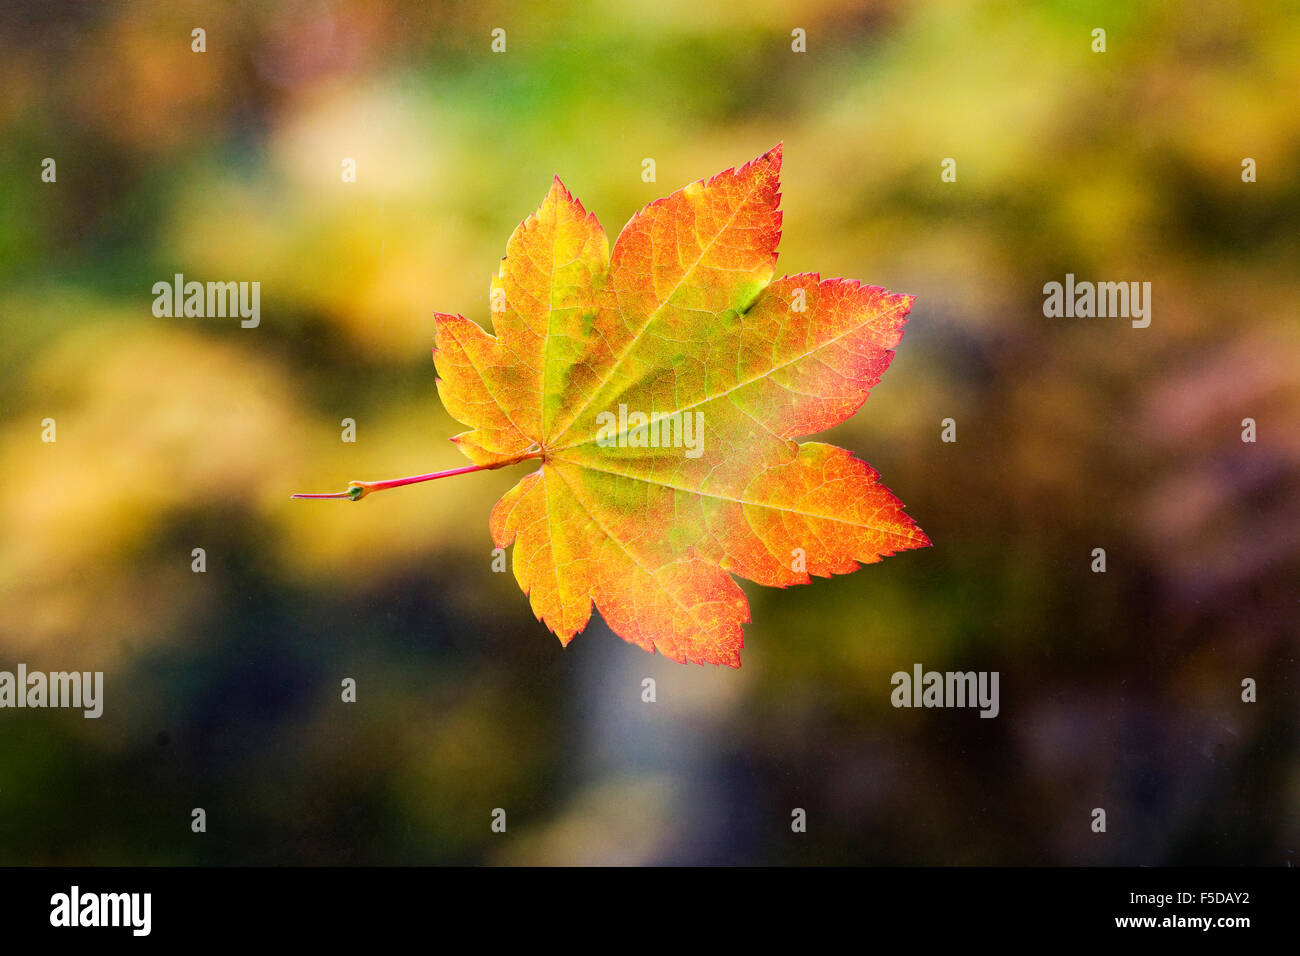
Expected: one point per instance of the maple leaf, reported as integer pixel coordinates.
(661, 386)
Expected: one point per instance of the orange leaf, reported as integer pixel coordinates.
(661, 387)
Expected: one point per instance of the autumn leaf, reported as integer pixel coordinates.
(660, 387)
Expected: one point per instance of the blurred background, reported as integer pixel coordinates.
(222, 689)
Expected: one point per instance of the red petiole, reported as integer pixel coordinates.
(359, 489)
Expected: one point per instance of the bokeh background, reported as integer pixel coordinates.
(1119, 690)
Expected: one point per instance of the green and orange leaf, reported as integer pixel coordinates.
(681, 318)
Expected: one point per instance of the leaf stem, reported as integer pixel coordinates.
(359, 489)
